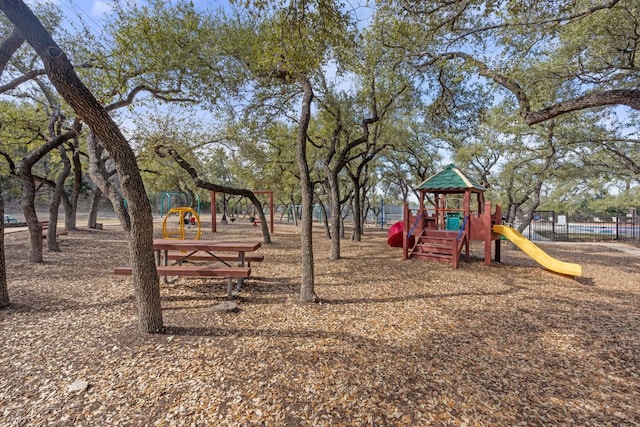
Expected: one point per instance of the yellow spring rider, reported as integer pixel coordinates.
(186, 217)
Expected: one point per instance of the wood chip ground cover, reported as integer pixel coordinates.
(393, 343)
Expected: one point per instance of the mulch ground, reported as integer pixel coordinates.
(393, 343)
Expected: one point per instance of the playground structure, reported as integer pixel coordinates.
(440, 233)
(185, 217)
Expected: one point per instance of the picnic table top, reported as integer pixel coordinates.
(206, 245)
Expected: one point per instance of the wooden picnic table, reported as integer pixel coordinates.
(211, 247)
(200, 250)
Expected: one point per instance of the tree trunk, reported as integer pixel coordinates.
(4, 291)
(24, 171)
(96, 195)
(539, 180)
(294, 211)
(70, 219)
(69, 211)
(8, 47)
(334, 223)
(264, 225)
(102, 179)
(140, 235)
(27, 202)
(357, 211)
(54, 204)
(307, 291)
(52, 229)
(325, 217)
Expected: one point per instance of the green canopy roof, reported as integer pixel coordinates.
(450, 179)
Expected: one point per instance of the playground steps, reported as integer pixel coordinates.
(440, 246)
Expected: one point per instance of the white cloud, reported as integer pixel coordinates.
(99, 8)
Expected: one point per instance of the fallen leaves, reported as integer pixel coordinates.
(393, 343)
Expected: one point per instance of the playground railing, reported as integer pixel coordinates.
(415, 224)
(464, 225)
(461, 240)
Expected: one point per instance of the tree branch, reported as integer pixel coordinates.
(9, 46)
(628, 97)
(167, 151)
(156, 93)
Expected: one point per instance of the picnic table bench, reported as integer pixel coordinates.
(217, 252)
(203, 256)
(180, 270)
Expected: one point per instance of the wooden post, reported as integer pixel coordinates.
(487, 232)
(498, 221)
(467, 213)
(454, 254)
(271, 209)
(405, 232)
(213, 211)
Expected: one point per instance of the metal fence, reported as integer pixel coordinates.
(549, 226)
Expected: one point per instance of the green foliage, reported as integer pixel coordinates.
(298, 36)
(171, 48)
(24, 128)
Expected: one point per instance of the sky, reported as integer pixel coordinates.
(93, 11)
(90, 11)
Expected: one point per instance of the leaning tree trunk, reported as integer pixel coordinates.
(163, 151)
(528, 216)
(24, 171)
(4, 291)
(140, 235)
(266, 236)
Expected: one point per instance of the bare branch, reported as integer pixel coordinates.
(156, 93)
(628, 97)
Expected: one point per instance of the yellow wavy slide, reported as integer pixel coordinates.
(541, 257)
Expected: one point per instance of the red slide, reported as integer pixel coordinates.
(394, 237)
